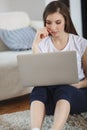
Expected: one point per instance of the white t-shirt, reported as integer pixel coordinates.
(75, 43)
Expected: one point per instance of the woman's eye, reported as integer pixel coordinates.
(58, 22)
(48, 22)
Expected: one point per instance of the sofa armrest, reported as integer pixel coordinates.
(14, 20)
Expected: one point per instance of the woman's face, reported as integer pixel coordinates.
(55, 24)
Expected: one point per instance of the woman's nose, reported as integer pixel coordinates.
(53, 27)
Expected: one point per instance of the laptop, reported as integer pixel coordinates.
(45, 69)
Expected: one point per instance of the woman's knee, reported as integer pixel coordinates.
(66, 92)
(74, 96)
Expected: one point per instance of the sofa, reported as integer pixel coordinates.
(10, 82)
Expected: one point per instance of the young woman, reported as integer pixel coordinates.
(59, 35)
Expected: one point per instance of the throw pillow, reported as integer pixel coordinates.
(20, 39)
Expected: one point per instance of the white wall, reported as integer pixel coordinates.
(47, 1)
(33, 7)
(75, 9)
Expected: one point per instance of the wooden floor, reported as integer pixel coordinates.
(14, 105)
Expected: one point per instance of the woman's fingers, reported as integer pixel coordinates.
(43, 33)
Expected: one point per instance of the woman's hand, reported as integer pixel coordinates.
(41, 34)
(81, 84)
(77, 85)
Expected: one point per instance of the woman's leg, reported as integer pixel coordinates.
(37, 114)
(68, 100)
(38, 98)
(62, 111)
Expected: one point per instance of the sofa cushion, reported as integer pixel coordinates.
(19, 39)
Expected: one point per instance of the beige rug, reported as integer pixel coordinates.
(21, 121)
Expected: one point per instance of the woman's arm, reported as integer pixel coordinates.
(83, 83)
(84, 62)
(41, 34)
(35, 48)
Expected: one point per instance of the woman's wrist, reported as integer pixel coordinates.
(83, 83)
(35, 48)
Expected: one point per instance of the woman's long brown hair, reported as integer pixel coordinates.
(57, 6)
